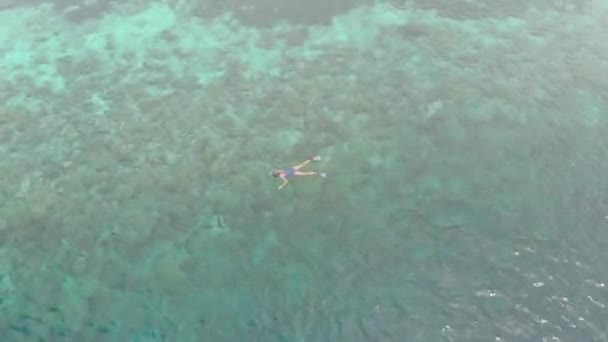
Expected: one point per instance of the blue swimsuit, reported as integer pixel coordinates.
(289, 172)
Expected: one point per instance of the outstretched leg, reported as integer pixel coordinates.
(304, 163)
(301, 165)
(310, 173)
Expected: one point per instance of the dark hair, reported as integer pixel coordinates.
(276, 173)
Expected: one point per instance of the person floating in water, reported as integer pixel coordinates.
(284, 174)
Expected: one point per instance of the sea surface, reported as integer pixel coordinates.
(465, 146)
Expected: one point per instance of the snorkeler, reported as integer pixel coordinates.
(295, 171)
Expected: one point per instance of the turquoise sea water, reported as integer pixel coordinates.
(465, 148)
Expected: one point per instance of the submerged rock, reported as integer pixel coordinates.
(266, 13)
(450, 213)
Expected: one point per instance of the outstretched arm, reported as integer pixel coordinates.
(285, 181)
